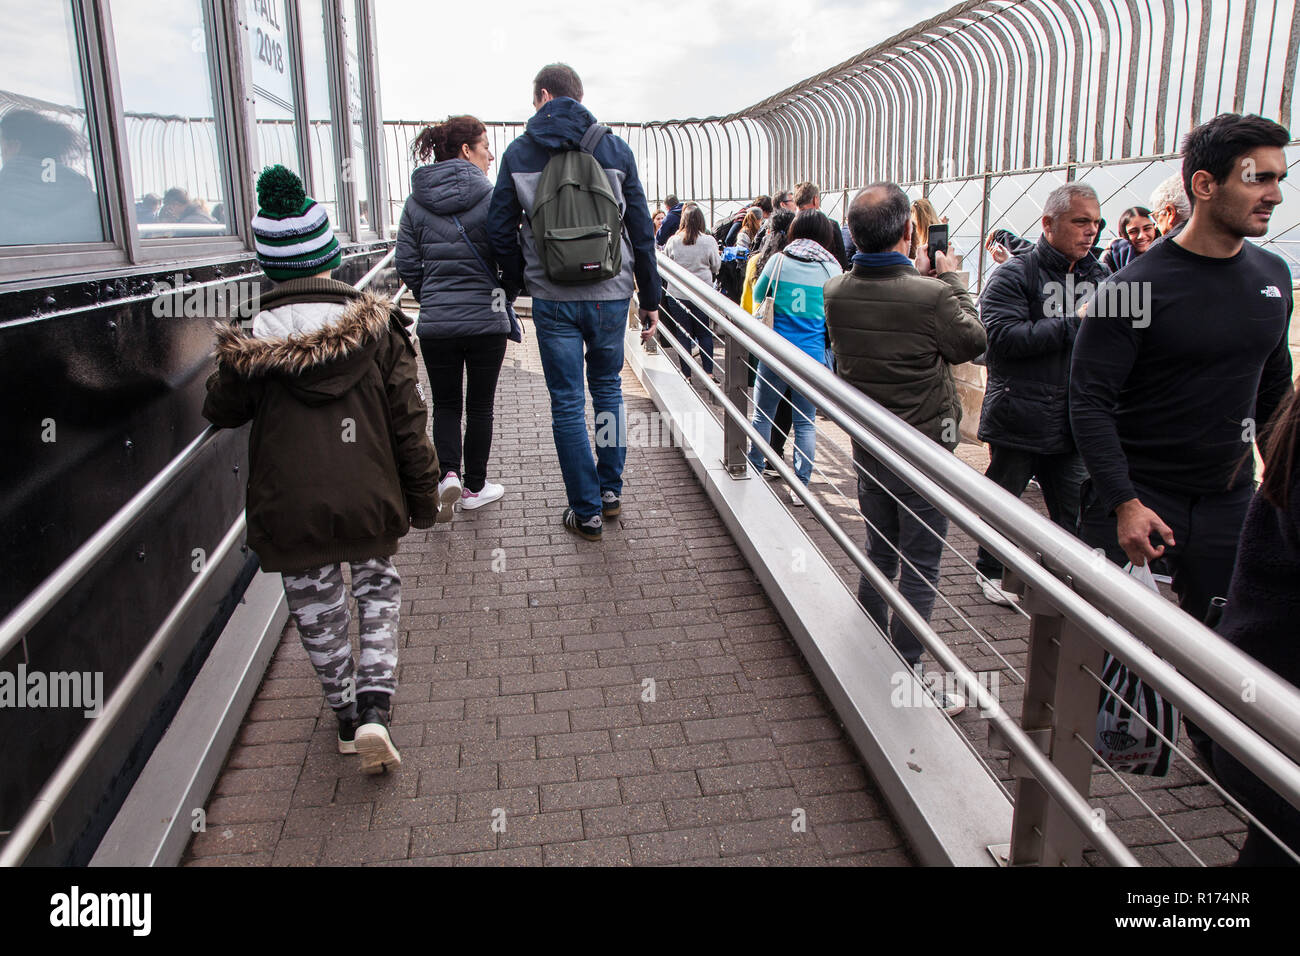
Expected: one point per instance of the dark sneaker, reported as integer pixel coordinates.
(770, 472)
(610, 505)
(347, 730)
(589, 528)
(373, 742)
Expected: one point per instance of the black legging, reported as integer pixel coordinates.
(447, 360)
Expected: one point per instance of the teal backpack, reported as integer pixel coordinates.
(576, 221)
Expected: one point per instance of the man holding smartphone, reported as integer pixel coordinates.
(1028, 310)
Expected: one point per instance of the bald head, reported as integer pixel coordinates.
(879, 217)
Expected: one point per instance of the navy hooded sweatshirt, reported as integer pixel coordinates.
(559, 125)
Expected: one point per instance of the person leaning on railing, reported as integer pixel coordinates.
(897, 329)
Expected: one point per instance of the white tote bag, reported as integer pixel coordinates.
(767, 311)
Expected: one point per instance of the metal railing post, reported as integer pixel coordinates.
(984, 229)
(1059, 703)
(736, 369)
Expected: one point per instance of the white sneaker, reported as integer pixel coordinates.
(490, 492)
(449, 492)
(952, 704)
(994, 594)
(795, 500)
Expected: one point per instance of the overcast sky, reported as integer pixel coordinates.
(666, 59)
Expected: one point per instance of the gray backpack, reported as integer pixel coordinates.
(576, 221)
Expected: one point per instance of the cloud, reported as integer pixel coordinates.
(668, 60)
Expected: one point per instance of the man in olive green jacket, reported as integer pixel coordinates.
(897, 328)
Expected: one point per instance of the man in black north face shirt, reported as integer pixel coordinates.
(1179, 364)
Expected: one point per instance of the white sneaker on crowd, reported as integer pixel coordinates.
(994, 594)
(449, 491)
(952, 704)
(490, 492)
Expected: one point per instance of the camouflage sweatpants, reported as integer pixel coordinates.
(318, 601)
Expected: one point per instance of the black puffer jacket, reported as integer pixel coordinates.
(1031, 325)
(456, 296)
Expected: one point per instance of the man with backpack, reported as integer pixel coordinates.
(569, 221)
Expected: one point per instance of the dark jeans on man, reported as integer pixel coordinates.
(1206, 528)
(1058, 475)
(471, 363)
(572, 336)
(891, 526)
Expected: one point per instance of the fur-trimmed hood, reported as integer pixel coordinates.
(319, 364)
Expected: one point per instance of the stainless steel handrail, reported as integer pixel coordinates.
(1052, 780)
(48, 593)
(1089, 590)
(19, 843)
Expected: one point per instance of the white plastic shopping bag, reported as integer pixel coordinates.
(1124, 741)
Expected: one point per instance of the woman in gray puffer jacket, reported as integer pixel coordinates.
(444, 258)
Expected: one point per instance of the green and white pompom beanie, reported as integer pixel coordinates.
(291, 232)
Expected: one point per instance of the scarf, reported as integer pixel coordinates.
(808, 250)
(879, 260)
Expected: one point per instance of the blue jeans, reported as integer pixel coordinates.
(771, 388)
(891, 526)
(567, 334)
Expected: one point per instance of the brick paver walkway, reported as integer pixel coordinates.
(525, 657)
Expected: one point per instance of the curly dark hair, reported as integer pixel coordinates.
(443, 140)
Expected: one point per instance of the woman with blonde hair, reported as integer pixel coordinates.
(924, 215)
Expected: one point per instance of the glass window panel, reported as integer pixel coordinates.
(273, 97)
(172, 140)
(48, 189)
(359, 170)
(316, 74)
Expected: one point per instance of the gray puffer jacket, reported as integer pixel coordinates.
(456, 295)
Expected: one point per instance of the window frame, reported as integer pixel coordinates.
(225, 25)
(20, 262)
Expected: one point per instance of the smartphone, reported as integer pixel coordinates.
(938, 241)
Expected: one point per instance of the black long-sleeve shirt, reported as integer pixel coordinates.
(1168, 388)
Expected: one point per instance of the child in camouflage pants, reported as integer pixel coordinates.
(341, 465)
(318, 601)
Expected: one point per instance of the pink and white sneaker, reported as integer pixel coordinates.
(449, 491)
(490, 492)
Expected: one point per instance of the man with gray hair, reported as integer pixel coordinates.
(1170, 207)
(1029, 308)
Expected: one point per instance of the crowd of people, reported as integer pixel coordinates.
(1138, 414)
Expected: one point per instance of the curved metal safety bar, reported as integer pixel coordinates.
(15, 626)
(1106, 604)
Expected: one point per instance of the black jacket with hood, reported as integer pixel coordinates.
(457, 296)
(340, 466)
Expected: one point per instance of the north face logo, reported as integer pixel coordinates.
(1272, 291)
